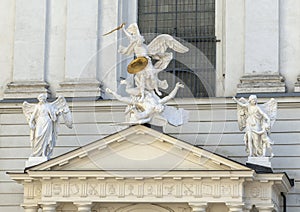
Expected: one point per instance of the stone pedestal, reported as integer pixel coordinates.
(89, 88)
(32, 161)
(260, 161)
(26, 89)
(261, 71)
(261, 84)
(297, 85)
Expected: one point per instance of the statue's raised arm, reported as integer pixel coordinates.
(257, 120)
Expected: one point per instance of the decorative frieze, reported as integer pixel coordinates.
(148, 188)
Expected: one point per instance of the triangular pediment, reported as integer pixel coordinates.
(139, 148)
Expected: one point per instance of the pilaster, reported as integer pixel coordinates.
(198, 206)
(81, 50)
(261, 70)
(28, 78)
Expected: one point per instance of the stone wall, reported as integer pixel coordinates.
(59, 48)
(212, 126)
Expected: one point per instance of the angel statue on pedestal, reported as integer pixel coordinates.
(257, 120)
(43, 122)
(144, 103)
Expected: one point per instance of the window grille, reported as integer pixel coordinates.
(194, 22)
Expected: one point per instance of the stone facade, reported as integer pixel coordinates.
(159, 170)
(57, 48)
(75, 60)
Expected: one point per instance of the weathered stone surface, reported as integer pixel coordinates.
(86, 88)
(26, 89)
(261, 84)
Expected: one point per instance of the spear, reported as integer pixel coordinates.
(119, 27)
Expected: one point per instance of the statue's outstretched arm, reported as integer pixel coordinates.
(172, 94)
(240, 103)
(126, 100)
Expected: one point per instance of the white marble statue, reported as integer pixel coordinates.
(43, 123)
(146, 73)
(144, 103)
(142, 110)
(257, 120)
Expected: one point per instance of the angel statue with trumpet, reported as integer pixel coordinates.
(144, 103)
(43, 122)
(257, 120)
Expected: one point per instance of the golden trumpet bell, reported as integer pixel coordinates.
(137, 65)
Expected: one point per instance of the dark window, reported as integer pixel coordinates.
(193, 21)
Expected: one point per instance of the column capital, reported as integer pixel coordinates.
(198, 206)
(265, 208)
(49, 206)
(235, 207)
(83, 206)
(30, 207)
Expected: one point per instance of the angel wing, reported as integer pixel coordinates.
(242, 114)
(28, 110)
(270, 108)
(61, 108)
(158, 46)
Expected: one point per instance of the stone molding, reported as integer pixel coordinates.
(87, 88)
(164, 189)
(238, 194)
(262, 84)
(26, 89)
